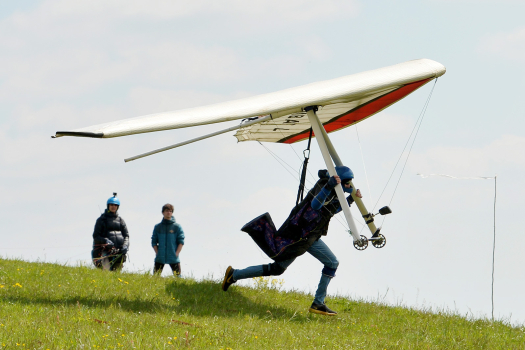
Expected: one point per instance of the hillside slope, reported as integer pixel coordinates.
(49, 306)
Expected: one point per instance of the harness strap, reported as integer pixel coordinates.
(306, 153)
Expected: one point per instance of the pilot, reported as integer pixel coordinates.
(300, 233)
(110, 238)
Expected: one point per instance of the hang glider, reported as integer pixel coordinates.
(287, 116)
(342, 102)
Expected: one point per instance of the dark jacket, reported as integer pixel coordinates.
(302, 228)
(113, 227)
(304, 220)
(167, 235)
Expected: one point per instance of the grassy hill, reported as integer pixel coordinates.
(49, 306)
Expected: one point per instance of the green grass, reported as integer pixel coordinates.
(49, 306)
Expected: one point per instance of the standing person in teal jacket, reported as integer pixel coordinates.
(167, 241)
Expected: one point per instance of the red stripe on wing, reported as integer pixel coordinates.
(362, 112)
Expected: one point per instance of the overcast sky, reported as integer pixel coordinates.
(71, 64)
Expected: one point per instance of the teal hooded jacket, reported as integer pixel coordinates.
(167, 236)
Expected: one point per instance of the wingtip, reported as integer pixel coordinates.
(79, 134)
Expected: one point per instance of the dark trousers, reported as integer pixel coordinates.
(175, 268)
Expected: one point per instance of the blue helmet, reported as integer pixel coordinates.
(114, 200)
(344, 173)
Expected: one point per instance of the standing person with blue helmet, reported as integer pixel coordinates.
(300, 233)
(167, 242)
(110, 238)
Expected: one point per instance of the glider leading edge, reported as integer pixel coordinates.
(286, 116)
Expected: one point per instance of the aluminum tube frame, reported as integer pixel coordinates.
(358, 201)
(260, 120)
(321, 141)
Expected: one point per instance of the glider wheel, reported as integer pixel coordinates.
(361, 244)
(379, 241)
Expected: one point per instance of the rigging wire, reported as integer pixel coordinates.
(293, 149)
(283, 163)
(363, 159)
(416, 129)
(413, 140)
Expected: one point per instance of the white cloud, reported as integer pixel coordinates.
(63, 49)
(67, 72)
(510, 45)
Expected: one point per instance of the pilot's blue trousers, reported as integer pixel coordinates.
(318, 250)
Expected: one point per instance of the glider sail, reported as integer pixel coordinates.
(342, 102)
(295, 127)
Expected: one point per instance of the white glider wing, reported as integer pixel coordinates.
(342, 102)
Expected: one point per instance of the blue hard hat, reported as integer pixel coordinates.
(344, 173)
(114, 200)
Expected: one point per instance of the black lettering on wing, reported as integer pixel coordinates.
(297, 115)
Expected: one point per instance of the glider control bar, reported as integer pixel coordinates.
(378, 240)
(322, 142)
(242, 125)
(369, 218)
